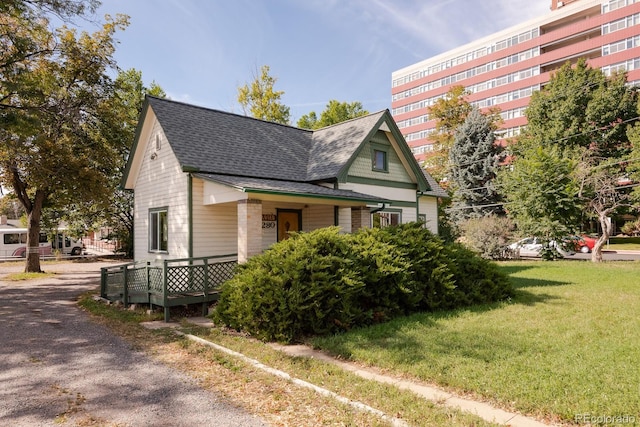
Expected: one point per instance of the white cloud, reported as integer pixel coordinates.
(428, 28)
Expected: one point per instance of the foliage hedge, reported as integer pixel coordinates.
(325, 282)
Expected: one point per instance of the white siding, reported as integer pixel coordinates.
(160, 183)
(429, 208)
(215, 227)
(391, 193)
(317, 216)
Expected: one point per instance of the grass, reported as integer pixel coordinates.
(565, 345)
(13, 277)
(624, 243)
(276, 400)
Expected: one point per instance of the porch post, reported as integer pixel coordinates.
(344, 220)
(249, 229)
(360, 218)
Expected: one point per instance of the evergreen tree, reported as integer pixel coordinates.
(474, 159)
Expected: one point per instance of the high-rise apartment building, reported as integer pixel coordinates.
(503, 69)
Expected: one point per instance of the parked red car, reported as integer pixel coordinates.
(583, 243)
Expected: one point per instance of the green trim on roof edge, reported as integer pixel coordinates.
(342, 174)
(312, 196)
(380, 182)
(189, 169)
(134, 148)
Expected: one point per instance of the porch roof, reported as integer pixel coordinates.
(289, 188)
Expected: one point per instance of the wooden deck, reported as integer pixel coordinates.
(168, 283)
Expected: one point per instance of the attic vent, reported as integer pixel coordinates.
(158, 142)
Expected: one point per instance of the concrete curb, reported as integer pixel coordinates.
(396, 422)
(433, 394)
(436, 395)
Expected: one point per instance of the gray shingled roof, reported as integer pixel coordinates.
(287, 187)
(435, 189)
(327, 163)
(225, 143)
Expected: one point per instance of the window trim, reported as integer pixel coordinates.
(379, 148)
(158, 237)
(386, 211)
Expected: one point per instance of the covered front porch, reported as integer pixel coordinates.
(268, 211)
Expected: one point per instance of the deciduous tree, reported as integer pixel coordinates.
(118, 119)
(542, 193)
(335, 112)
(260, 100)
(576, 135)
(449, 112)
(49, 156)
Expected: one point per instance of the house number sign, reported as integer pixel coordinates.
(269, 221)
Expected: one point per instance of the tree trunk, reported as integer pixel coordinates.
(33, 234)
(605, 225)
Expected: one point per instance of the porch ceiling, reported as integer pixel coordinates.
(303, 192)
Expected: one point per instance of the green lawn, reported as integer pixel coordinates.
(568, 343)
(626, 243)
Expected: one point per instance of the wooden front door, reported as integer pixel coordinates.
(288, 220)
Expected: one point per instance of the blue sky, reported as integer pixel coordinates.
(201, 51)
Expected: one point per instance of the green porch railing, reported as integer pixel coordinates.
(168, 283)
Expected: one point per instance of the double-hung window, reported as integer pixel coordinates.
(158, 230)
(379, 157)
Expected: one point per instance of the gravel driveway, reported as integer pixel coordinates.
(59, 368)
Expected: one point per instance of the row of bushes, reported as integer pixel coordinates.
(324, 282)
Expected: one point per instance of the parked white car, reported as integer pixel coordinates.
(531, 247)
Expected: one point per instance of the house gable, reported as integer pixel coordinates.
(146, 125)
(363, 168)
(403, 169)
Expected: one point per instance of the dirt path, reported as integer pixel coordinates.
(59, 368)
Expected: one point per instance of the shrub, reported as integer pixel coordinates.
(631, 228)
(449, 275)
(303, 285)
(324, 282)
(386, 273)
(476, 280)
(429, 268)
(488, 236)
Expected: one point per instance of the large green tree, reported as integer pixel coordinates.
(474, 159)
(24, 34)
(580, 117)
(118, 118)
(542, 194)
(335, 112)
(260, 100)
(50, 156)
